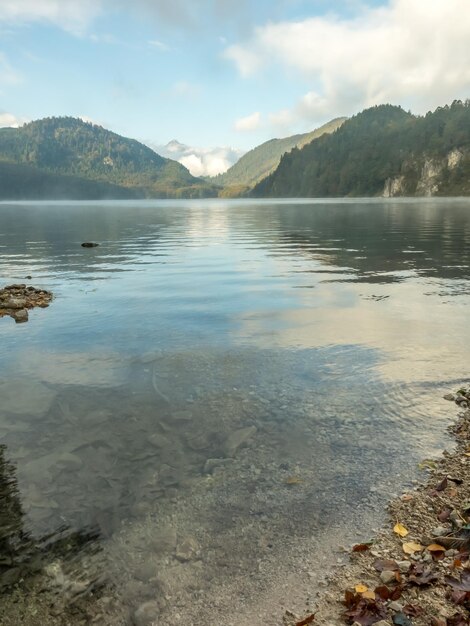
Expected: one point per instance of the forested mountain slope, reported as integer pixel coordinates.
(258, 163)
(68, 146)
(382, 151)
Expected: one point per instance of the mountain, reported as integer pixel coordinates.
(200, 161)
(382, 151)
(262, 160)
(66, 146)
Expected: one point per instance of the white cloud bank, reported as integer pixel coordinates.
(248, 123)
(200, 161)
(410, 52)
(8, 120)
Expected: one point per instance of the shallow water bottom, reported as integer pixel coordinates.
(197, 491)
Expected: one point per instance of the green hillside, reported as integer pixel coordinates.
(23, 182)
(381, 151)
(70, 147)
(262, 160)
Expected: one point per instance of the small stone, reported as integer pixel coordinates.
(14, 303)
(381, 623)
(90, 244)
(147, 614)
(451, 552)
(188, 549)
(164, 539)
(211, 464)
(237, 439)
(404, 566)
(439, 531)
(387, 577)
(396, 606)
(449, 396)
(145, 571)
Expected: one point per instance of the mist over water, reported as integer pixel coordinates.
(220, 386)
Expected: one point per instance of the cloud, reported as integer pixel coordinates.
(74, 15)
(11, 121)
(8, 75)
(412, 52)
(200, 161)
(154, 43)
(248, 123)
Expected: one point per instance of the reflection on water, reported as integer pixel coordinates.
(211, 391)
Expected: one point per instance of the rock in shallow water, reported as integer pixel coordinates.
(147, 614)
(26, 398)
(186, 550)
(237, 439)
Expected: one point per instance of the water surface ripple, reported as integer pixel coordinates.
(222, 388)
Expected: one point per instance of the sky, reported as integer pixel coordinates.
(222, 76)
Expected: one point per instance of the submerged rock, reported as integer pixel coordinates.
(147, 614)
(186, 550)
(26, 398)
(89, 244)
(237, 439)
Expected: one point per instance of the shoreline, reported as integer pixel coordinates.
(32, 603)
(416, 570)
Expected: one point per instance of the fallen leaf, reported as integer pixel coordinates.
(413, 610)
(406, 497)
(400, 530)
(307, 620)
(421, 575)
(365, 612)
(361, 547)
(411, 547)
(435, 547)
(442, 485)
(453, 493)
(438, 621)
(385, 593)
(457, 620)
(360, 588)
(369, 595)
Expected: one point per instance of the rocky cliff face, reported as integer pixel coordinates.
(424, 177)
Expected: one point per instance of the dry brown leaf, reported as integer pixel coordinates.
(410, 547)
(435, 547)
(400, 530)
(370, 595)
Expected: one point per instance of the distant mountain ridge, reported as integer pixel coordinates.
(258, 163)
(67, 146)
(383, 151)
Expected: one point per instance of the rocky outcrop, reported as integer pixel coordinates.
(394, 187)
(15, 300)
(423, 177)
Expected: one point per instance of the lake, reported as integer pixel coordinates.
(223, 393)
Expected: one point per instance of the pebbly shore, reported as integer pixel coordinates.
(416, 571)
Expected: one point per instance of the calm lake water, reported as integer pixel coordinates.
(223, 389)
